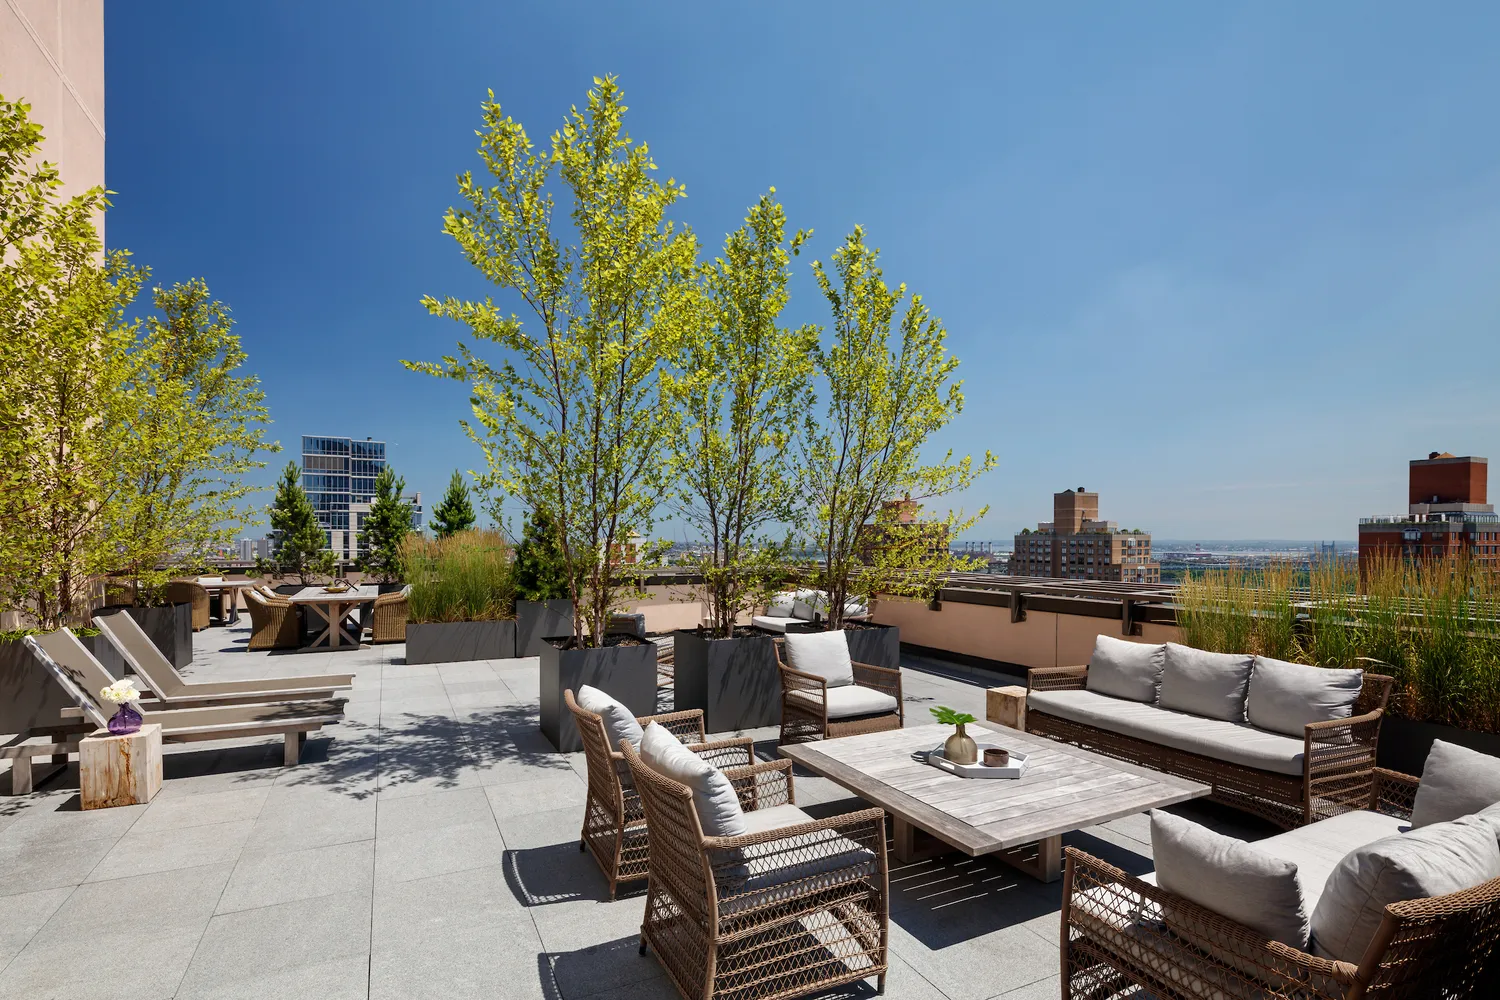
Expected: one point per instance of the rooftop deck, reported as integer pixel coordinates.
(428, 847)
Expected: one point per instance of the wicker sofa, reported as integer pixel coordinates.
(1125, 936)
(1289, 780)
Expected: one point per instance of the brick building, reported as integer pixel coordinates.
(1076, 545)
(1448, 514)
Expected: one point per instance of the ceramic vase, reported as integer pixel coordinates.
(959, 748)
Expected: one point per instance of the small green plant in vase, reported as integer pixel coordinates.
(959, 748)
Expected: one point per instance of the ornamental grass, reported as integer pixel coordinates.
(466, 577)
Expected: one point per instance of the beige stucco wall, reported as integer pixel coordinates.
(1044, 639)
(52, 57)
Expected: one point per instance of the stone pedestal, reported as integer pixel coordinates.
(119, 770)
(1007, 706)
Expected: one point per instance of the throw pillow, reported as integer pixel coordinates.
(823, 653)
(619, 721)
(1418, 864)
(714, 798)
(1284, 697)
(1456, 781)
(1229, 877)
(1123, 669)
(1208, 684)
(804, 611)
(781, 605)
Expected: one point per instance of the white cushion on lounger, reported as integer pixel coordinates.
(781, 605)
(1234, 742)
(850, 700)
(774, 623)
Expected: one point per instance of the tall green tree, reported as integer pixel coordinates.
(386, 527)
(573, 413)
(66, 397)
(201, 426)
(744, 388)
(886, 401)
(299, 545)
(455, 512)
(541, 567)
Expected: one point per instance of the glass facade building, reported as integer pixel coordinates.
(338, 474)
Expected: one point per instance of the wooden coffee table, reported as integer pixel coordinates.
(1021, 821)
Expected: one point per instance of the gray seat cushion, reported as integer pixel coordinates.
(751, 877)
(1126, 669)
(1212, 685)
(1236, 743)
(1284, 697)
(1456, 781)
(1317, 849)
(1433, 861)
(849, 701)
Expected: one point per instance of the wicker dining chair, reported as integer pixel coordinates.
(388, 615)
(795, 906)
(190, 592)
(614, 827)
(804, 703)
(273, 624)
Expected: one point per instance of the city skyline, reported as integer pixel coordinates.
(1187, 257)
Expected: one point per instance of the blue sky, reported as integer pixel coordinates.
(1229, 265)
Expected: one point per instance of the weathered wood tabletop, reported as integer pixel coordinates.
(1064, 789)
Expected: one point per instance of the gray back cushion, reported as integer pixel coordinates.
(1212, 685)
(1229, 877)
(1284, 697)
(619, 721)
(1126, 669)
(1418, 864)
(1456, 781)
(825, 654)
(714, 798)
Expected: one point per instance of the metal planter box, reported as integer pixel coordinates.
(170, 627)
(450, 642)
(108, 656)
(734, 681)
(627, 673)
(1404, 743)
(877, 645)
(29, 697)
(537, 621)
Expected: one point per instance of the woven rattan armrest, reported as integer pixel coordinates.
(844, 823)
(715, 750)
(1274, 960)
(677, 723)
(802, 681)
(1393, 793)
(763, 784)
(1056, 678)
(883, 679)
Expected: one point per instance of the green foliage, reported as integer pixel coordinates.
(572, 413)
(66, 397)
(200, 427)
(541, 568)
(948, 717)
(299, 547)
(464, 577)
(455, 512)
(386, 527)
(744, 386)
(885, 404)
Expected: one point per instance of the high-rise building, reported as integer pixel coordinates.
(1076, 545)
(338, 475)
(1447, 514)
(251, 549)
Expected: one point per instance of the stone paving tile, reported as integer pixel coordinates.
(180, 812)
(265, 879)
(431, 811)
(22, 915)
(29, 867)
(408, 856)
(165, 850)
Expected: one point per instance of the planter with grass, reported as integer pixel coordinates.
(625, 668)
(733, 680)
(460, 599)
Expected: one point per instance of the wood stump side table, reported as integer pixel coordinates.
(1006, 706)
(119, 770)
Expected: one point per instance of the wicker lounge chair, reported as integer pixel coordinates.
(806, 713)
(795, 906)
(1337, 757)
(190, 592)
(273, 624)
(388, 616)
(173, 691)
(614, 826)
(1116, 940)
(74, 667)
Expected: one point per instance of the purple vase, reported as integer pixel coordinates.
(127, 720)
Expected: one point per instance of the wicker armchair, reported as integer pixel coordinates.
(804, 703)
(388, 616)
(189, 592)
(1338, 755)
(614, 826)
(273, 624)
(1122, 936)
(795, 906)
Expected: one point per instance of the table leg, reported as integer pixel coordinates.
(903, 839)
(1046, 866)
(323, 614)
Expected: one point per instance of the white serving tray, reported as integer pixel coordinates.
(1015, 769)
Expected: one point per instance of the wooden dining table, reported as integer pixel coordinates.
(334, 609)
(229, 595)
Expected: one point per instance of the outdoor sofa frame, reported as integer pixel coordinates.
(1338, 758)
(1443, 946)
(806, 718)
